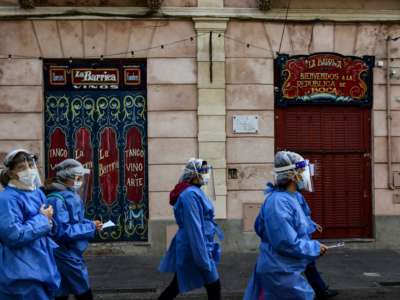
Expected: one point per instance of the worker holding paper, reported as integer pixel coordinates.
(73, 231)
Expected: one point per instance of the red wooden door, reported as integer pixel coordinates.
(338, 140)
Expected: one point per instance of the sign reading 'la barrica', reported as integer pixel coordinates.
(323, 78)
(94, 77)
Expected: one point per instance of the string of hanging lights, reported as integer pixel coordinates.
(269, 53)
(130, 52)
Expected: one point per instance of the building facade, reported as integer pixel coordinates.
(133, 92)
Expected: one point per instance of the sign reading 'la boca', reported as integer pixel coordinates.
(323, 78)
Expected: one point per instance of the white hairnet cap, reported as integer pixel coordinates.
(10, 155)
(70, 168)
(192, 168)
(283, 159)
(286, 158)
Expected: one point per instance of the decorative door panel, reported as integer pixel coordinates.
(95, 112)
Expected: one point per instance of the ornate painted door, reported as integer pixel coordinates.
(95, 112)
(323, 107)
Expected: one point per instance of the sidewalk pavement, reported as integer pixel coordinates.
(357, 274)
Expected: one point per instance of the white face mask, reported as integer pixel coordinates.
(77, 185)
(28, 177)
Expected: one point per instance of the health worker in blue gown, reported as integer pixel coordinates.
(193, 255)
(27, 266)
(286, 247)
(73, 230)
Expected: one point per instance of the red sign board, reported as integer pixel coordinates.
(84, 154)
(58, 150)
(108, 165)
(58, 76)
(134, 165)
(132, 76)
(324, 77)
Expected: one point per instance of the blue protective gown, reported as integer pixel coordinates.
(73, 235)
(193, 254)
(307, 211)
(285, 250)
(27, 266)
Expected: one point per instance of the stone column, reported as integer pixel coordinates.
(211, 102)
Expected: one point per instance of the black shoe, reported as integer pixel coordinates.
(328, 293)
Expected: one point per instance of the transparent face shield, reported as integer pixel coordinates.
(205, 174)
(209, 183)
(307, 175)
(82, 186)
(78, 180)
(301, 171)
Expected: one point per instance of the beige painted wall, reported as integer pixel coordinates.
(316, 4)
(166, 3)
(172, 87)
(312, 4)
(250, 91)
(172, 92)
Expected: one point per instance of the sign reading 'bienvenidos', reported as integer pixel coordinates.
(323, 78)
